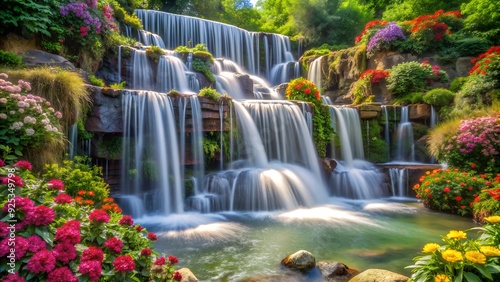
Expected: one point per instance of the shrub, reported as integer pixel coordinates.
(210, 93)
(204, 56)
(408, 78)
(384, 38)
(476, 143)
(472, 46)
(461, 259)
(10, 59)
(118, 86)
(304, 90)
(204, 68)
(96, 81)
(439, 97)
(362, 88)
(154, 53)
(449, 190)
(60, 238)
(457, 83)
(488, 202)
(369, 30)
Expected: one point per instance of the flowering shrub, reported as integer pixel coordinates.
(488, 202)
(26, 120)
(449, 190)
(461, 259)
(487, 62)
(383, 38)
(476, 143)
(362, 88)
(433, 28)
(413, 77)
(64, 241)
(369, 30)
(304, 90)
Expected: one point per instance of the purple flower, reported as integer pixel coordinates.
(384, 36)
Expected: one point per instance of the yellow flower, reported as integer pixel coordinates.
(490, 251)
(430, 247)
(456, 234)
(493, 219)
(452, 256)
(475, 257)
(441, 278)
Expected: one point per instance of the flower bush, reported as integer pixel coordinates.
(385, 37)
(461, 259)
(26, 120)
(450, 190)
(476, 142)
(64, 241)
(362, 88)
(304, 90)
(369, 30)
(488, 202)
(487, 63)
(413, 77)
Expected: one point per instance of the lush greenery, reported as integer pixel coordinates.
(460, 258)
(413, 77)
(304, 90)
(375, 147)
(69, 230)
(439, 97)
(363, 88)
(210, 93)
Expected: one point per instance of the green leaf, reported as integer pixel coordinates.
(482, 269)
(471, 277)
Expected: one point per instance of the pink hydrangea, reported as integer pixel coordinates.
(36, 244)
(146, 252)
(22, 204)
(177, 276)
(124, 263)
(3, 229)
(63, 199)
(24, 165)
(114, 244)
(2, 163)
(92, 268)
(72, 224)
(92, 253)
(152, 236)
(40, 216)
(13, 278)
(126, 220)
(64, 252)
(173, 260)
(20, 250)
(40, 262)
(160, 261)
(61, 274)
(56, 184)
(100, 216)
(68, 234)
(16, 180)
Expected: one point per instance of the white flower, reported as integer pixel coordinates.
(45, 121)
(3, 100)
(30, 131)
(16, 125)
(12, 112)
(3, 116)
(29, 119)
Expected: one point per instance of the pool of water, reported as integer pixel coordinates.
(362, 234)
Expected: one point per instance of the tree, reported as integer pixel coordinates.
(241, 13)
(481, 15)
(401, 10)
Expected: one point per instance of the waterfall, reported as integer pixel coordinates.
(221, 136)
(434, 117)
(147, 38)
(150, 165)
(346, 124)
(141, 72)
(73, 141)
(399, 181)
(387, 134)
(314, 73)
(171, 74)
(404, 135)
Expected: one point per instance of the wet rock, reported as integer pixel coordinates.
(187, 275)
(463, 65)
(379, 275)
(328, 164)
(105, 114)
(335, 271)
(276, 278)
(35, 58)
(419, 111)
(301, 260)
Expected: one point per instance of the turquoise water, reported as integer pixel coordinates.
(234, 246)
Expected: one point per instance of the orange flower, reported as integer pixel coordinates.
(473, 165)
(81, 192)
(91, 193)
(422, 178)
(416, 186)
(88, 202)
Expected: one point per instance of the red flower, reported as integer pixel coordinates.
(63, 199)
(92, 267)
(473, 165)
(177, 276)
(152, 236)
(126, 220)
(92, 253)
(114, 244)
(146, 252)
(23, 165)
(307, 91)
(160, 261)
(139, 228)
(56, 184)
(40, 215)
(62, 274)
(22, 246)
(83, 31)
(172, 260)
(64, 252)
(99, 216)
(15, 179)
(124, 263)
(68, 234)
(2, 163)
(36, 244)
(446, 189)
(13, 277)
(42, 261)
(458, 198)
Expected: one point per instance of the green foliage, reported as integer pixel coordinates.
(118, 86)
(411, 98)
(211, 145)
(109, 147)
(32, 16)
(439, 97)
(203, 56)
(96, 81)
(375, 147)
(474, 93)
(154, 53)
(240, 13)
(481, 15)
(83, 134)
(204, 68)
(10, 59)
(409, 9)
(488, 202)
(210, 93)
(407, 77)
(457, 83)
(304, 90)
(472, 46)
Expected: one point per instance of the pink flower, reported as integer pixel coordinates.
(72, 224)
(56, 184)
(146, 252)
(99, 216)
(172, 260)
(13, 278)
(2, 163)
(23, 165)
(83, 31)
(62, 274)
(139, 228)
(36, 244)
(114, 244)
(124, 263)
(152, 236)
(92, 267)
(16, 180)
(177, 276)
(22, 246)
(3, 229)
(40, 215)
(160, 261)
(68, 234)
(126, 220)
(64, 252)
(92, 253)
(42, 261)
(446, 190)
(63, 199)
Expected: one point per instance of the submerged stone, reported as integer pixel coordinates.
(301, 260)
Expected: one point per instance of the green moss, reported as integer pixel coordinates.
(375, 147)
(439, 97)
(210, 93)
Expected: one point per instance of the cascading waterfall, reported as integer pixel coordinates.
(314, 73)
(150, 167)
(172, 74)
(142, 75)
(387, 134)
(404, 138)
(353, 177)
(399, 181)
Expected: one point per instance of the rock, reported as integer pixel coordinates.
(246, 84)
(276, 278)
(35, 58)
(379, 275)
(301, 260)
(463, 65)
(419, 111)
(187, 275)
(105, 113)
(328, 165)
(335, 271)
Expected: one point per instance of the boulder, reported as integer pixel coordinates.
(35, 58)
(301, 260)
(106, 112)
(187, 275)
(463, 66)
(379, 275)
(419, 111)
(335, 271)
